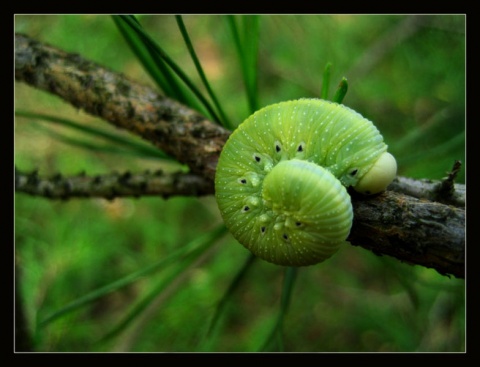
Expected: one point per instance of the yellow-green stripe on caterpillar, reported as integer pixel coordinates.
(282, 176)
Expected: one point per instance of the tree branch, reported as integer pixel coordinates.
(415, 231)
(174, 128)
(404, 223)
(111, 186)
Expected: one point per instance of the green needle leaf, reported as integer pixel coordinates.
(141, 148)
(200, 71)
(326, 81)
(92, 147)
(236, 281)
(157, 52)
(341, 91)
(200, 245)
(247, 50)
(195, 247)
(154, 65)
(275, 340)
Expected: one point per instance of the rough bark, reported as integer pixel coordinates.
(415, 231)
(421, 222)
(177, 130)
(113, 185)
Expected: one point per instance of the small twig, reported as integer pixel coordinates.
(446, 188)
(445, 191)
(113, 185)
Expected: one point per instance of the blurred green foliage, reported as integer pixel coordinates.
(405, 73)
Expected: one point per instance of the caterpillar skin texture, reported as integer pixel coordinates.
(282, 175)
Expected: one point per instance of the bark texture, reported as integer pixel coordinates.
(113, 185)
(177, 130)
(415, 231)
(416, 221)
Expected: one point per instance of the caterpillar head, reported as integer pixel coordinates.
(379, 176)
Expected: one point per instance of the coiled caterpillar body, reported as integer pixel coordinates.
(282, 175)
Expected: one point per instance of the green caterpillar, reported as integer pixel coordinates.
(282, 176)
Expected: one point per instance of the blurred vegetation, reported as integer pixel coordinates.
(405, 73)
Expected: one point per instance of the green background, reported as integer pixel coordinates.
(405, 73)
